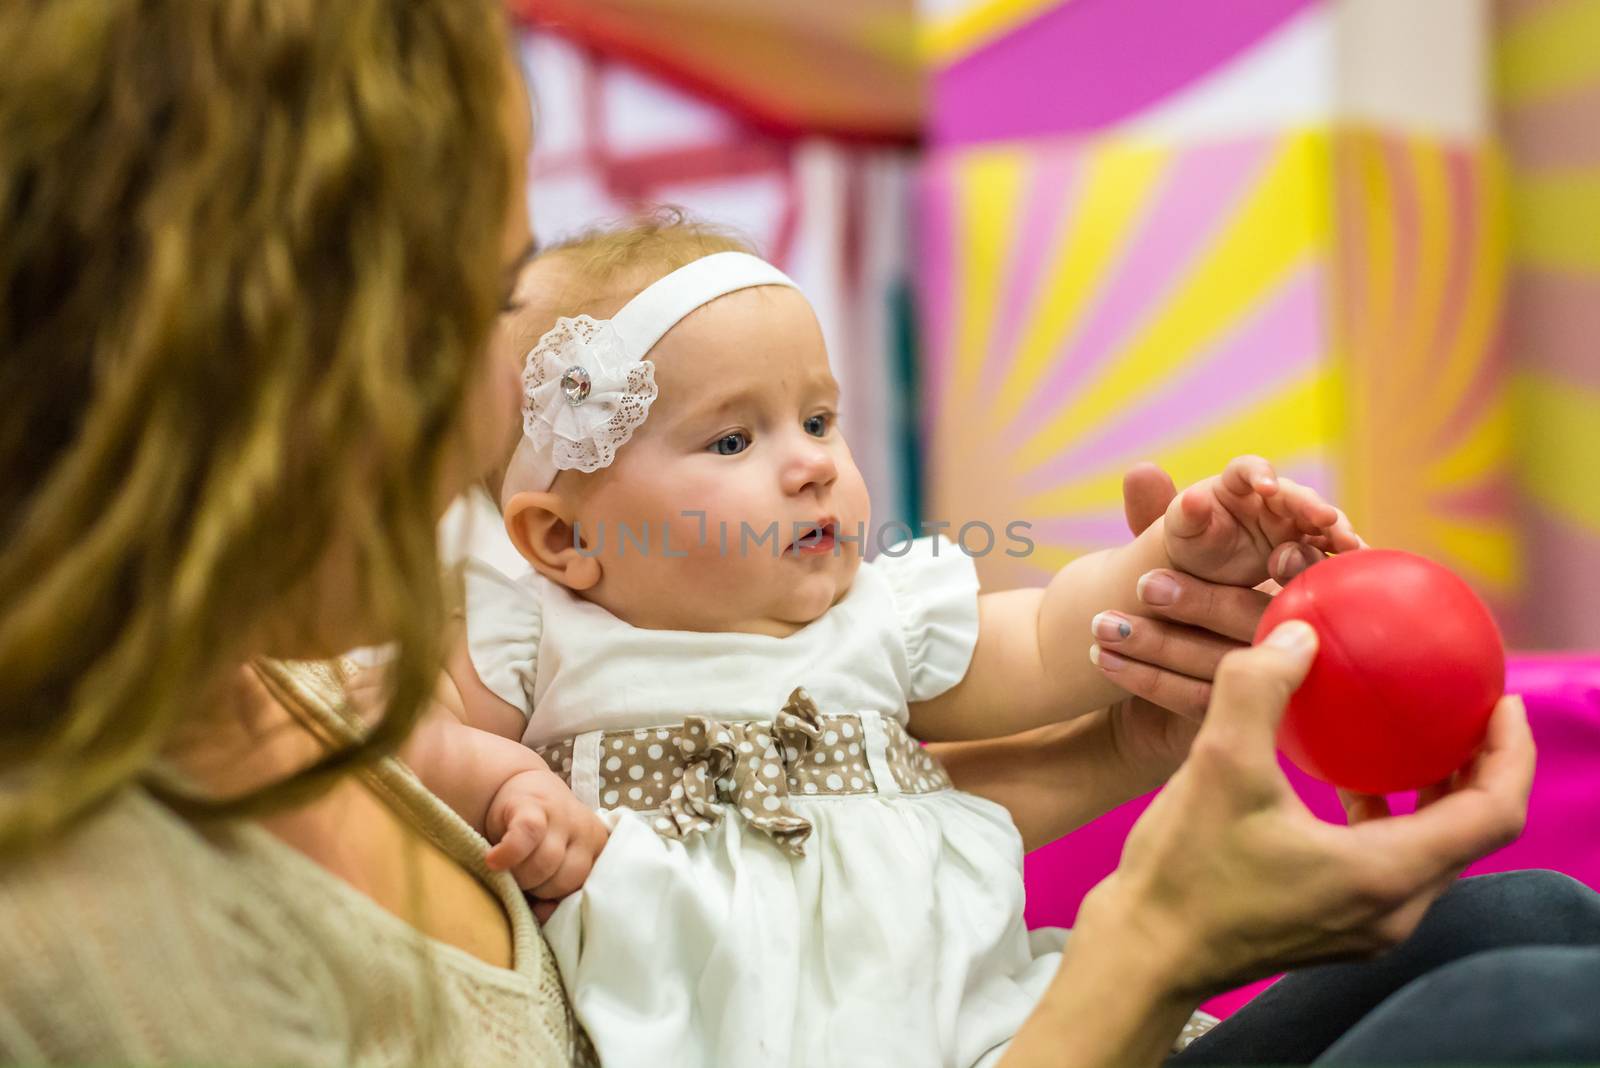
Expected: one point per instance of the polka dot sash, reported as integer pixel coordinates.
(688, 775)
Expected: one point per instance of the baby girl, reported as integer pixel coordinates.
(697, 652)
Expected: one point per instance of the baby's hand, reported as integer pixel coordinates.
(544, 836)
(1225, 528)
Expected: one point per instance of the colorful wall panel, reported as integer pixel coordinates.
(1092, 306)
(1007, 69)
(1549, 84)
(1220, 228)
(1331, 300)
(1418, 316)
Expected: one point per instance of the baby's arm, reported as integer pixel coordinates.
(465, 749)
(1025, 669)
(542, 833)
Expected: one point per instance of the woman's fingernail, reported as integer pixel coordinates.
(1105, 661)
(1296, 636)
(1157, 588)
(1111, 627)
(1290, 562)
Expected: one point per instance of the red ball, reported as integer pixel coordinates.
(1408, 669)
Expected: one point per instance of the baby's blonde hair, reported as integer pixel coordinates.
(605, 267)
(609, 265)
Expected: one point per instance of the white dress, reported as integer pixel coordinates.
(897, 937)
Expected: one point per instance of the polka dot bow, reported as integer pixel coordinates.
(743, 764)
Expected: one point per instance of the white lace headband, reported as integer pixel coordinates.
(586, 386)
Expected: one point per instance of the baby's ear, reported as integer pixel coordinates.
(541, 527)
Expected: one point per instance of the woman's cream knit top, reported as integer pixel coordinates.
(142, 938)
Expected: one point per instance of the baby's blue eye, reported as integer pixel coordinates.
(731, 444)
(817, 426)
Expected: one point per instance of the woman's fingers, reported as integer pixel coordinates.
(1252, 693)
(1484, 812)
(1360, 808)
(1186, 696)
(1229, 857)
(1293, 557)
(1429, 794)
(1173, 646)
(1231, 611)
(1146, 492)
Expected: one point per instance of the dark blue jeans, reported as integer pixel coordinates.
(1504, 969)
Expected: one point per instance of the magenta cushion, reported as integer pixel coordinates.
(1563, 832)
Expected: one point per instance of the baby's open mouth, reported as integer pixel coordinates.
(819, 538)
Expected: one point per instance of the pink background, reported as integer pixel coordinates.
(1082, 66)
(1563, 831)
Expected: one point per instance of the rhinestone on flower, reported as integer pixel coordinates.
(583, 393)
(575, 384)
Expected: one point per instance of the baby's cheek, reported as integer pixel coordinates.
(724, 507)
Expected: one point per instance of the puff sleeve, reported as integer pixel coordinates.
(935, 589)
(505, 619)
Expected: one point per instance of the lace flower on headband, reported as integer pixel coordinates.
(583, 394)
(587, 385)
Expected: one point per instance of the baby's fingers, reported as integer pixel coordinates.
(510, 851)
(1304, 507)
(574, 869)
(1245, 475)
(1342, 536)
(522, 836)
(1337, 537)
(1190, 515)
(545, 861)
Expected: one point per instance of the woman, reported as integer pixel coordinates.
(250, 257)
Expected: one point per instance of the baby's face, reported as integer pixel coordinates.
(745, 431)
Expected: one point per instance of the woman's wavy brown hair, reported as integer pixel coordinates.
(249, 257)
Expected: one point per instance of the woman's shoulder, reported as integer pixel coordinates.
(115, 927)
(140, 937)
(107, 862)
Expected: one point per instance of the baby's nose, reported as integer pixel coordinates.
(811, 468)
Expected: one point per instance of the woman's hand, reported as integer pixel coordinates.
(1166, 659)
(1057, 778)
(1233, 875)
(1228, 876)
(1170, 656)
